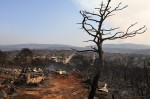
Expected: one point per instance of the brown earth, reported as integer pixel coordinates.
(56, 87)
(4, 77)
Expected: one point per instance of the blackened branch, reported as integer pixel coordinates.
(124, 35)
(85, 50)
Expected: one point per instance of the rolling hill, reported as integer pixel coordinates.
(111, 48)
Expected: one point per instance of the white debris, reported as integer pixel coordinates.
(40, 70)
(61, 72)
(34, 69)
(104, 88)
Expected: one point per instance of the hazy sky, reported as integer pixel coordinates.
(54, 21)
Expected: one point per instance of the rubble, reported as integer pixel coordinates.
(34, 69)
(28, 76)
(104, 89)
(40, 70)
(63, 84)
(9, 89)
(10, 71)
(34, 80)
(61, 72)
(3, 94)
(7, 81)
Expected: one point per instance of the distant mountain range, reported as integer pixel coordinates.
(127, 46)
(37, 46)
(111, 48)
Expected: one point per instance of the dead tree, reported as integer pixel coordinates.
(3, 58)
(101, 34)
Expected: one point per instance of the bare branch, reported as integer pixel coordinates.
(94, 48)
(118, 7)
(106, 11)
(109, 12)
(84, 23)
(89, 41)
(93, 20)
(107, 33)
(111, 29)
(90, 26)
(92, 13)
(127, 34)
(84, 50)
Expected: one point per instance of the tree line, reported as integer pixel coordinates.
(24, 58)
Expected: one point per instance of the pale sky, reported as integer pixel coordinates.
(137, 11)
(54, 21)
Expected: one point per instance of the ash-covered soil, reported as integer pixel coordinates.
(54, 86)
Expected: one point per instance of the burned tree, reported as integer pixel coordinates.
(3, 58)
(24, 57)
(101, 34)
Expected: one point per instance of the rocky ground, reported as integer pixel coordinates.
(54, 86)
(72, 85)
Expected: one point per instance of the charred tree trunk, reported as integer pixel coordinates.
(94, 86)
(99, 69)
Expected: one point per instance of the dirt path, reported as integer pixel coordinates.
(69, 58)
(57, 87)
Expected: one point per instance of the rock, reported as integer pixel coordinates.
(3, 94)
(11, 90)
(104, 89)
(29, 76)
(34, 69)
(7, 81)
(34, 80)
(40, 70)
